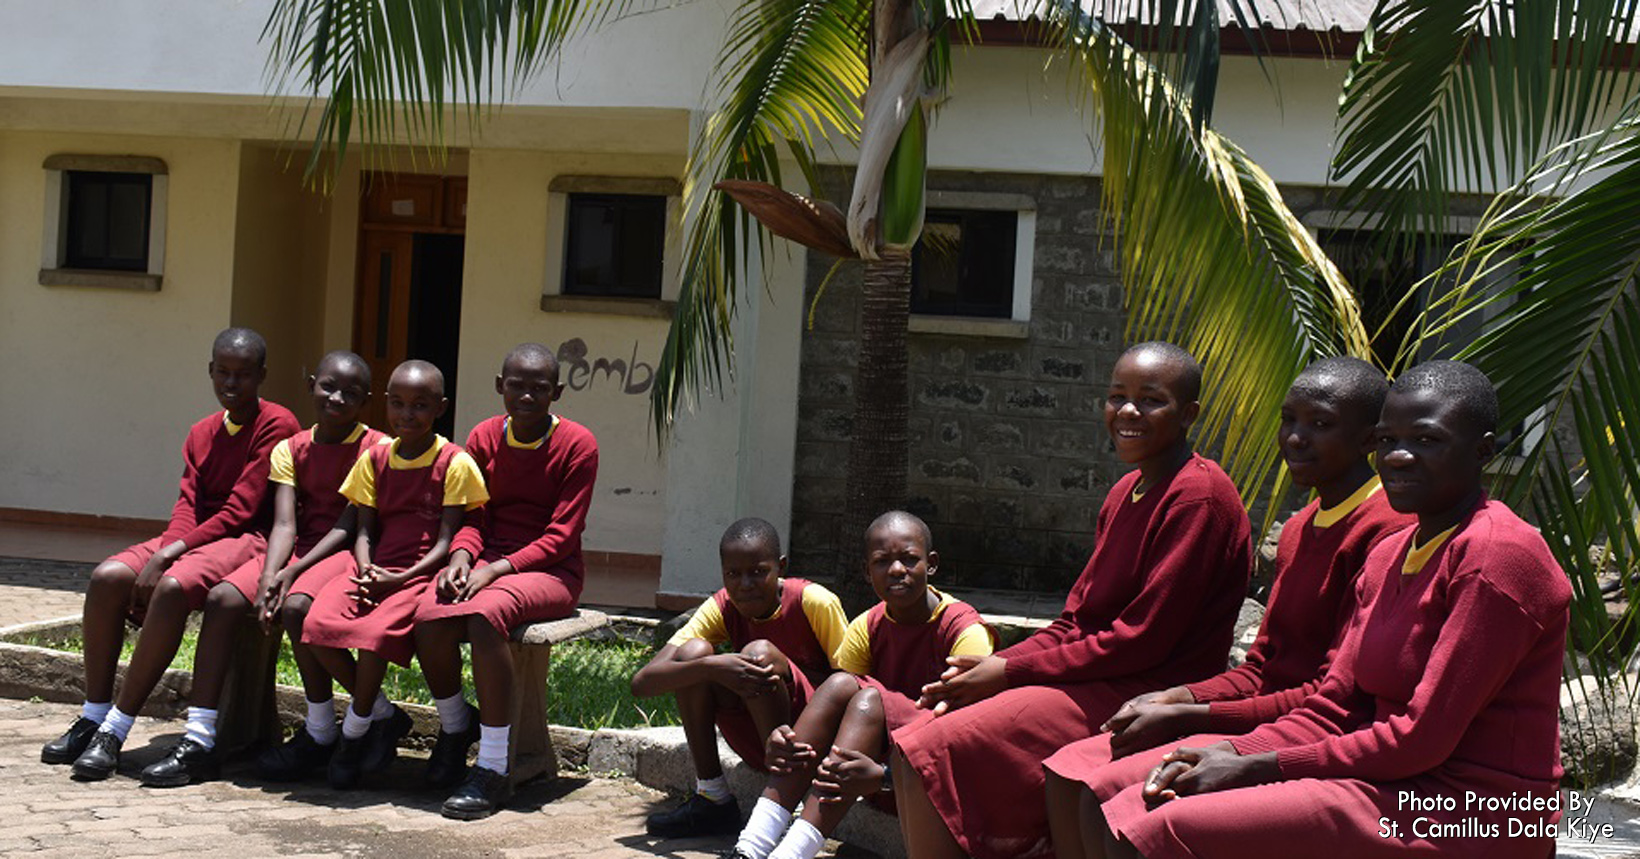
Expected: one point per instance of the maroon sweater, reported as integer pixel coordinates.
(1457, 667)
(1310, 607)
(1160, 595)
(538, 499)
(224, 489)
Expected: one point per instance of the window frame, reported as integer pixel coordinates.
(1016, 325)
(559, 191)
(55, 269)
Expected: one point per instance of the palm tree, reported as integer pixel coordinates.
(1530, 99)
(791, 73)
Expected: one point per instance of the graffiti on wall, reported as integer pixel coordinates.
(583, 372)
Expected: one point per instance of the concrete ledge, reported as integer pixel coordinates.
(583, 622)
(966, 326)
(644, 308)
(133, 280)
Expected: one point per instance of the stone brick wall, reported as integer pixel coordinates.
(1009, 457)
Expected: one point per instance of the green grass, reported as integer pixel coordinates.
(587, 685)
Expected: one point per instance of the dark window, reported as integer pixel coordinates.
(964, 264)
(616, 245)
(108, 220)
(1381, 279)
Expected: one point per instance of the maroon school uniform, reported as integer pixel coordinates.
(1448, 681)
(1155, 607)
(319, 471)
(1310, 607)
(537, 510)
(222, 510)
(409, 509)
(906, 657)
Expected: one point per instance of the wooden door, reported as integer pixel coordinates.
(381, 321)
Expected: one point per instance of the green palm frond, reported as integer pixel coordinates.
(388, 71)
(1211, 257)
(792, 73)
(1563, 346)
(1466, 95)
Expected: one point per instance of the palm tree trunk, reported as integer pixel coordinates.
(877, 453)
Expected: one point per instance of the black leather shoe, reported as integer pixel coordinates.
(483, 793)
(448, 762)
(188, 762)
(71, 744)
(696, 816)
(382, 740)
(294, 759)
(346, 764)
(734, 853)
(100, 758)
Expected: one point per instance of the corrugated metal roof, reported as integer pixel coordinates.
(1321, 16)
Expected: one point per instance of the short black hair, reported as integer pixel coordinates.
(534, 353)
(241, 340)
(901, 517)
(350, 360)
(421, 368)
(1190, 370)
(1463, 384)
(752, 530)
(1354, 385)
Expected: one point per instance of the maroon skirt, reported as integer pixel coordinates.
(338, 620)
(508, 602)
(199, 570)
(1337, 818)
(1089, 762)
(982, 764)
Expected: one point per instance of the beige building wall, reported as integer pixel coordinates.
(102, 384)
(280, 255)
(508, 236)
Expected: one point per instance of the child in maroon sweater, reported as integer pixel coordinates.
(1447, 682)
(835, 753)
(309, 524)
(539, 469)
(783, 631)
(218, 523)
(1328, 424)
(411, 497)
(1154, 607)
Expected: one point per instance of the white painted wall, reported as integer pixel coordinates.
(211, 47)
(102, 384)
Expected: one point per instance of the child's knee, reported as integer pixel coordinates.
(294, 613)
(225, 599)
(483, 633)
(763, 651)
(112, 574)
(867, 702)
(694, 648)
(840, 687)
(168, 589)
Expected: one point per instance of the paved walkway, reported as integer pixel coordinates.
(48, 814)
(32, 590)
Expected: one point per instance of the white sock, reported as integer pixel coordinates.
(714, 789)
(118, 723)
(96, 712)
(802, 841)
(321, 721)
(354, 725)
(382, 709)
(201, 726)
(453, 714)
(768, 822)
(492, 747)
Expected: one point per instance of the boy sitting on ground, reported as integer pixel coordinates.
(888, 654)
(783, 632)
